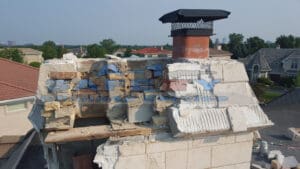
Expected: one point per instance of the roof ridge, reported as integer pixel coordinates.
(17, 63)
(22, 88)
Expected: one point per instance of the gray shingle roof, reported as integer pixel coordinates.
(270, 59)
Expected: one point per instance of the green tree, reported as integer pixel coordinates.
(35, 64)
(109, 45)
(95, 51)
(287, 41)
(127, 53)
(236, 45)
(297, 42)
(49, 50)
(253, 44)
(12, 54)
(61, 51)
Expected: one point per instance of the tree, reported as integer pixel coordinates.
(49, 50)
(236, 45)
(12, 54)
(35, 64)
(287, 41)
(109, 45)
(297, 42)
(127, 53)
(95, 51)
(253, 44)
(61, 51)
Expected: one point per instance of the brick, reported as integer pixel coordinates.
(128, 149)
(229, 154)
(156, 161)
(176, 159)
(212, 140)
(244, 137)
(132, 162)
(50, 106)
(199, 158)
(166, 145)
(64, 75)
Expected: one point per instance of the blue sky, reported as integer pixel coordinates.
(136, 21)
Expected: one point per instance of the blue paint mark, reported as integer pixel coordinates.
(156, 67)
(113, 68)
(208, 85)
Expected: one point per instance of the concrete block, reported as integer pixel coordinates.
(239, 93)
(159, 120)
(156, 161)
(234, 72)
(140, 113)
(237, 119)
(199, 158)
(213, 140)
(132, 162)
(290, 162)
(197, 121)
(166, 145)
(216, 71)
(293, 134)
(50, 106)
(229, 154)
(132, 148)
(244, 137)
(65, 111)
(273, 154)
(176, 159)
(85, 65)
(243, 166)
(52, 67)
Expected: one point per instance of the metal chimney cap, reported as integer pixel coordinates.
(194, 15)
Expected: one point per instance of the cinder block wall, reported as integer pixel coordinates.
(213, 152)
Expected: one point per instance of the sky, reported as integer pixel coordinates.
(135, 22)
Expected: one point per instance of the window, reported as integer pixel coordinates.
(294, 64)
(16, 107)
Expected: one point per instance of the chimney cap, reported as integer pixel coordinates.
(194, 15)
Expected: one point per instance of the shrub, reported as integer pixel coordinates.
(35, 64)
(265, 81)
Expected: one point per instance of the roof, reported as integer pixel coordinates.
(152, 51)
(270, 59)
(194, 15)
(218, 53)
(29, 51)
(17, 80)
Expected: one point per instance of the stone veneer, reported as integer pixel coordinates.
(212, 152)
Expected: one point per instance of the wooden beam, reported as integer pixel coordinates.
(93, 132)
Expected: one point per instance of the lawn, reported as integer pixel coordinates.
(267, 96)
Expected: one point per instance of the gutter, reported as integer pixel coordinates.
(18, 99)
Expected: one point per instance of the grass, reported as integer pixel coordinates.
(267, 96)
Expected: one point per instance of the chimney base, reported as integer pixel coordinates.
(191, 47)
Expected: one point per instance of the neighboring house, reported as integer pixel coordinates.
(152, 52)
(273, 63)
(18, 84)
(31, 55)
(120, 52)
(80, 52)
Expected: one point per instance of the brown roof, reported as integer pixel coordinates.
(17, 80)
(152, 51)
(218, 53)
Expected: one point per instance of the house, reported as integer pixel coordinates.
(31, 55)
(18, 84)
(152, 52)
(273, 63)
(184, 111)
(120, 52)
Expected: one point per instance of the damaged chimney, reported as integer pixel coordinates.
(191, 29)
